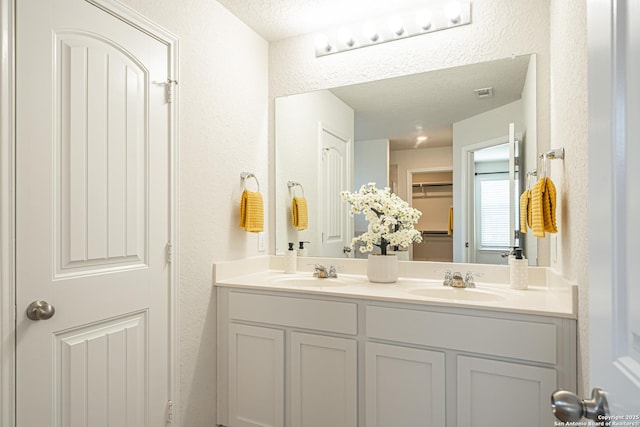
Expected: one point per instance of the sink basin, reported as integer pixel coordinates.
(460, 294)
(309, 281)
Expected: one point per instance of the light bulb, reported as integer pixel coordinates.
(395, 25)
(453, 11)
(423, 19)
(322, 42)
(344, 35)
(421, 139)
(369, 31)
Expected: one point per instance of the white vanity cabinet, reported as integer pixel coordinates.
(286, 361)
(324, 381)
(496, 393)
(404, 386)
(501, 368)
(308, 359)
(256, 376)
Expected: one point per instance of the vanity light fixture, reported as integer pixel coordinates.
(439, 16)
(423, 19)
(345, 37)
(322, 44)
(453, 11)
(396, 26)
(369, 32)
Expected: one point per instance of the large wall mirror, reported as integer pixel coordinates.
(455, 143)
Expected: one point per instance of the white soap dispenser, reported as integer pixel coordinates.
(302, 251)
(518, 271)
(290, 260)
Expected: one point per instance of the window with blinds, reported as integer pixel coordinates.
(494, 212)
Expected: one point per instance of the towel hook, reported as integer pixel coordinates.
(245, 176)
(293, 184)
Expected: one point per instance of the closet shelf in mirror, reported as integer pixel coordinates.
(427, 190)
(431, 184)
(432, 195)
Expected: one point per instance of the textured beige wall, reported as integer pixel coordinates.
(223, 131)
(569, 128)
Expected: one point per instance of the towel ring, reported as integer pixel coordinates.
(245, 176)
(531, 173)
(543, 165)
(555, 154)
(293, 184)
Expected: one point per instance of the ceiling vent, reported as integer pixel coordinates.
(485, 92)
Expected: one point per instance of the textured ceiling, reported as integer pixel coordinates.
(394, 108)
(279, 19)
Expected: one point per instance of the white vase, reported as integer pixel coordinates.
(382, 268)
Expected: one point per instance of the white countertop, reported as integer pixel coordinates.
(558, 301)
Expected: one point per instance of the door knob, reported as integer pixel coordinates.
(568, 407)
(40, 310)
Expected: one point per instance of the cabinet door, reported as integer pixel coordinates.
(405, 387)
(502, 394)
(256, 376)
(323, 381)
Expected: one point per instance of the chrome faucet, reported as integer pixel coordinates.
(322, 272)
(455, 280)
(468, 280)
(448, 278)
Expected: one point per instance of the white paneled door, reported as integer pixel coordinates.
(614, 205)
(93, 218)
(335, 176)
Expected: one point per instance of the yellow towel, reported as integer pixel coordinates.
(529, 211)
(543, 200)
(450, 228)
(299, 214)
(252, 211)
(537, 215)
(525, 207)
(549, 206)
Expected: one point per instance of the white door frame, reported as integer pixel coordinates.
(466, 207)
(409, 188)
(7, 201)
(7, 220)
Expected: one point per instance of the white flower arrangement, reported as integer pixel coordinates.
(390, 218)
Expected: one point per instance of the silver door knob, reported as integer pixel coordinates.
(40, 310)
(567, 407)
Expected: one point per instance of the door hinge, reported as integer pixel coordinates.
(170, 411)
(169, 87)
(169, 250)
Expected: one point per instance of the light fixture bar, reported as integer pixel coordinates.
(423, 20)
